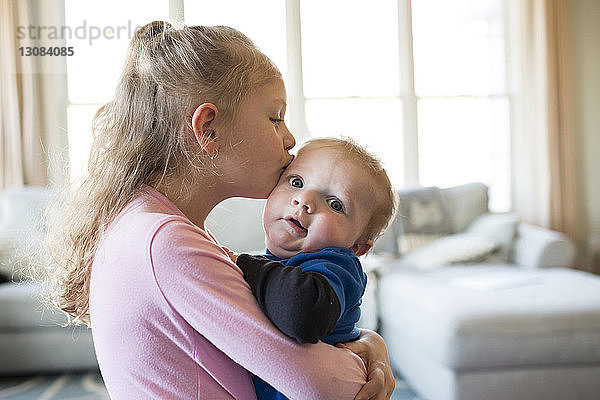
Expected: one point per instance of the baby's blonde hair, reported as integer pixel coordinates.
(142, 137)
(387, 200)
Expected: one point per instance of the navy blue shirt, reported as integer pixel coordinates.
(342, 270)
(312, 295)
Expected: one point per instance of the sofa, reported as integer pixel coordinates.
(32, 337)
(477, 305)
(485, 307)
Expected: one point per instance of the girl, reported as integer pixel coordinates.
(197, 117)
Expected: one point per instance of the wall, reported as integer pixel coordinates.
(585, 47)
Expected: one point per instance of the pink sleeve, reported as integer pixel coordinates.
(200, 282)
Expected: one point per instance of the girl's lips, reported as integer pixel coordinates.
(291, 158)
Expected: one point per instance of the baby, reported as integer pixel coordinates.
(329, 206)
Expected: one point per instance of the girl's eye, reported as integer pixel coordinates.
(336, 205)
(276, 120)
(296, 182)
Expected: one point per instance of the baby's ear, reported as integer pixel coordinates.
(361, 248)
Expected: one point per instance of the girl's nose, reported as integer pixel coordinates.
(288, 140)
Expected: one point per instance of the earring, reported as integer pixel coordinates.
(213, 156)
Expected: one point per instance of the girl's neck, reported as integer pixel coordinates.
(195, 203)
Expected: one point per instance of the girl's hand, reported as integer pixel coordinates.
(231, 254)
(371, 348)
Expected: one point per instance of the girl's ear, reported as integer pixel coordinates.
(203, 128)
(361, 248)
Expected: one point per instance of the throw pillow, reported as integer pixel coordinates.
(412, 241)
(421, 211)
(499, 228)
(451, 249)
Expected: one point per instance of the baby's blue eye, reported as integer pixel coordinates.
(296, 182)
(336, 205)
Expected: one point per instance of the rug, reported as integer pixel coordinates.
(76, 386)
(89, 386)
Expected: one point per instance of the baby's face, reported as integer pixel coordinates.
(322, 200)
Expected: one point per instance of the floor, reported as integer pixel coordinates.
(89, 386)
(76, 386)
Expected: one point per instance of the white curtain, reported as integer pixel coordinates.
(22, 159)
(543, 155)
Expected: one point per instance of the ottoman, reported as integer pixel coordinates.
(494, 332)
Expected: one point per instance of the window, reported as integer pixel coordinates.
(461, 91)
(435, 107)
(351, 68)
(421, 83)
(262, 21)
(99, 36)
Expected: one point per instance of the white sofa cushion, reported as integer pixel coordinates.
(537, 247)
(22, 229)
(499, 228)
(540, 318)
(451, 249)
(237, 224)
(22, 308)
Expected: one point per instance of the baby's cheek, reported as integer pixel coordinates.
(331, 234)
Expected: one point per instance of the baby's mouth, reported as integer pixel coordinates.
(296, 225)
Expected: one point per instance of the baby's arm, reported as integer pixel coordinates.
(300, 304)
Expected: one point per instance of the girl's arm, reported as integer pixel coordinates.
(270, 280)
(372, 350)
(198, 280)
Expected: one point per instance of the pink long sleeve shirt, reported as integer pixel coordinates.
(173, 318)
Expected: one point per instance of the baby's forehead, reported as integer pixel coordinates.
(329, 156)
(325, 158)
(328, 152)
(352, 174)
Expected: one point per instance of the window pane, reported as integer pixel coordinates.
(466, 140)
(79, 120)
(100, 33)
(263, 21)
(458, 47)
(350, 48)
(375, 124)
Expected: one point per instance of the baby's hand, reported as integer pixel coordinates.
(231, 254)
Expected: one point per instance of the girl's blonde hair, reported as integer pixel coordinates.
(142, 137)
(387, 199)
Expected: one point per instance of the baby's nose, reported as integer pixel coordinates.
(305, 201)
